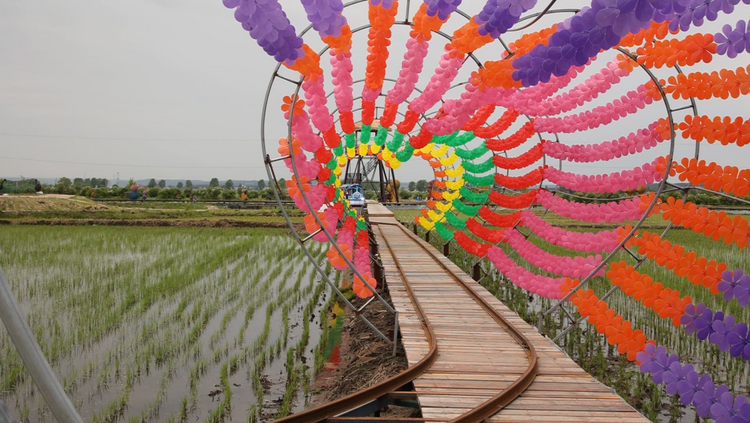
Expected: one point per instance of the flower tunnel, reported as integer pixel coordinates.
(588, 119)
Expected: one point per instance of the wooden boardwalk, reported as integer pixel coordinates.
(477, 358)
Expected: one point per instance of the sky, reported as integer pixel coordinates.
(165, 89)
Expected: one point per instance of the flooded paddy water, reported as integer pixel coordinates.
(165, 324)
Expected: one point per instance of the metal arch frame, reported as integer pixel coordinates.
(28, 348)
(478, 263)
(446, 245)
(276, 189)
(664, 182)
(686, 190)
(661, 189)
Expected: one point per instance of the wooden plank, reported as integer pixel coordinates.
(477, 358)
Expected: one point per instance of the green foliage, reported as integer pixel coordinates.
(152, 183)
(421, 185)
(229, 194)
(412, 186)
(169, 193)
(163, 310)
(214, 183)
(261, 184)
(162, 183)
(64, 186)
(229, 184)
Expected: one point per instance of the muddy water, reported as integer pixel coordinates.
(96, 374)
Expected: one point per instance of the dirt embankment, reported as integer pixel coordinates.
(366, 359)
(185, 223)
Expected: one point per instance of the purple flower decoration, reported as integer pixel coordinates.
(733, 41)
(269, 26)
(676, 374)
(692, 312)
(624, 16)
(698, 318)
(661, 364)
(704, 325)
(442, 8)
(708, 396)
(727, 407)
(739, 341)
(647, 356)
(497, 16)
(725, 6)
(743, 416)
(325, 16)
(387, 4)
(721, 330)
(735, 284)
(742, 291)
(690, 385)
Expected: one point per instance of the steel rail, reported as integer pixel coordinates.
(485, 410)
(509, 394)
(364, 396)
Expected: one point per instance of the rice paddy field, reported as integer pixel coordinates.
(591, 350)
(165, 324)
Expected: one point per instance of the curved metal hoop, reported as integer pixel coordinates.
(277, 190)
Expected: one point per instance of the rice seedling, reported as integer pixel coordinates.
(156, 311)
(592, 352)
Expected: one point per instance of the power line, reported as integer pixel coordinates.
(225, 140)
(132, 165)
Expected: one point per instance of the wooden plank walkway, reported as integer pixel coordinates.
(477, 357)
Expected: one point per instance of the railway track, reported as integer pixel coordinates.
(328, 412)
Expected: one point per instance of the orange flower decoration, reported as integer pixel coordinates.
(424, 24)
(664, 301)
(467, 39)
(695, 48)
(617, 330)
(343, 42)
(729, 179)
(702, 85)
(295, 188)
(299, 105)
(716, 225)
(725, 130)
(307, 65)
(336, 260)
(311, 225)
(284, 147)
(657, 31)
(568, 285)
(361, 289)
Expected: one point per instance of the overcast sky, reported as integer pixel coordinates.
(169, 89)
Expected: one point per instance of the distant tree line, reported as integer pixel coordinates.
(99, 188)
(695, 196)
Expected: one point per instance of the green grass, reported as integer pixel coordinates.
(591, 350)
(141, 323)
(45, 208)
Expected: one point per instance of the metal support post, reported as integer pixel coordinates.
(38, 366)
(395, 333)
